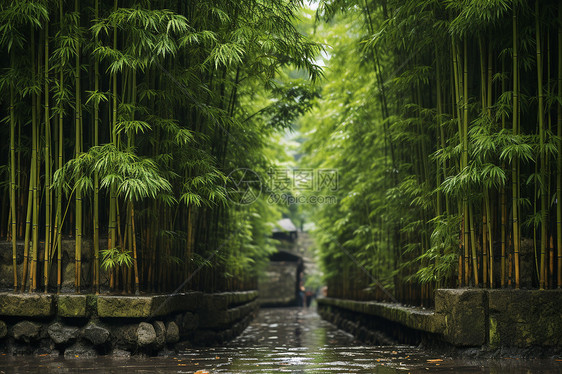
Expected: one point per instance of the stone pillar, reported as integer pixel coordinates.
(465, 314)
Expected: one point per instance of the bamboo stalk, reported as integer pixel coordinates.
(559, 164)
(78, 151)
(487, 197)
(112, 238)
(542, 158)
(458, 84)
(35, 182)
(442, 137)
(27, 236)
(514, 161)
(96, 174)
(13, 186)
(550, 278)
(485, 240)
(467, 205)
(59, 221)
(48, 194)
(135, 258)
(473, 247)
(490, 230)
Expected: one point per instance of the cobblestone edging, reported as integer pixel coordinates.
(90, 325)
(462, 318)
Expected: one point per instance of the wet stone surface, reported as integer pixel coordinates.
(286, 340)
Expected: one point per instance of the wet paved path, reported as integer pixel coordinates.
(287, 341)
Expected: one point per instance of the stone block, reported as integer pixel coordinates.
(524, 318)
(26, 305)
(146, 334)
(464, 313)
(72, 306)
(177, 303)
(95, 333)
(160, 330)
(216, 302)
(172, 333)
(189, 321)
(125, 337)
(124, 306)
(26, 331)
(61, 334)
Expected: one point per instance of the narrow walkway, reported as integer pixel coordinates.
(286, 340)
(296, 340)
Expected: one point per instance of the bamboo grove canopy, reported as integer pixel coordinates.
(121, 122)
(444, 120)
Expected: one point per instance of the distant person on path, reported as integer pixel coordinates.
(301, 292)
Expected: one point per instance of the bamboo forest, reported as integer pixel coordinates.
(443, 118)
(352, 154)
(125, 119)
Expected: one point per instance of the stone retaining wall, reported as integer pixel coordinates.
(462, 318)
(89, 325)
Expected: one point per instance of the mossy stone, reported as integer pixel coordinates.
(72, 306)
(124, 306)
(26, 305)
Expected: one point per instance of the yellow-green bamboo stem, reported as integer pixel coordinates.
(559, 165)
(78, 142)
(484, 246)
(35, 171)
(27, 229)
(483, 97)
(503, 234)
(59, 220)
(473, 246)
(135, 258)
(490, 80)
(483, 83)
(96, 175)
(488, 207)
(514, 161)
(443, 165)
(503, 203)
(467, 205)
(48, 194)
(490, 230)
(458, 83)
(112, 239)
(542, 158)
(13, 186)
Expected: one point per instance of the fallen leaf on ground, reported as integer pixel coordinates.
(435, 360)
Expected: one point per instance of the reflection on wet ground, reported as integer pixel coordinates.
(288, 341)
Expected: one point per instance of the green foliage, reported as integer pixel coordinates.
(152, 106)
(417, 115)
(115, 257)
